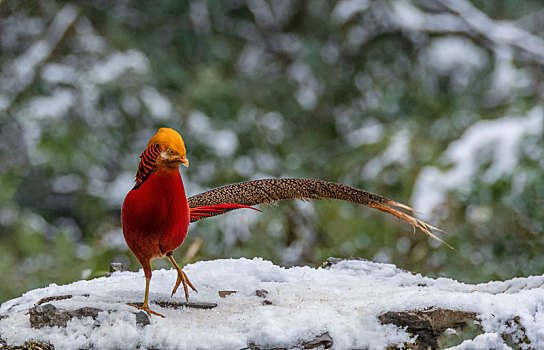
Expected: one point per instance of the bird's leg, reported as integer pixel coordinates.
(182, 277)
(145, 305)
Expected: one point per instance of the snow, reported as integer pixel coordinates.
(223, 143)
(113, 192)
(67, 183)
(309, 87)
(344, 300)
(347, 9)
(200, 16)
(396, 153)
(506, 77)
(262, 13)
(19, 73)
(497, 142)
(159, 106)
(483, 341)
(407, 15)
(371, 132)
(451, 53)
(117, 64)
(55, 106)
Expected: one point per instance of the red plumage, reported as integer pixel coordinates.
(155, 216)
(204, 211)
(155, 213)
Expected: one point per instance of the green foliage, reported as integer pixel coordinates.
(285, 89)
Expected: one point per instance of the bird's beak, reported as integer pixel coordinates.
(184, 160)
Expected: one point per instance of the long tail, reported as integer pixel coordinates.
(245, 194)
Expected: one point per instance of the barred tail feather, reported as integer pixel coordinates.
(246, 194)
(416, 223)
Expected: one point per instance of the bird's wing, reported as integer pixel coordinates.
(245, 194)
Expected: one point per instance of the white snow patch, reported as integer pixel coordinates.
(346, 9)
(457, 57)
(200, 16)
(309, 87)
(244, 166)
(159, 106)
(223, 142)
(506, 77)
(344, 300)
(407, 15)
(117, 64)
(251, 58)
(54, 106)
(66, 183)
(490, 141)
(58, 73)
(88, 39)
(199, 123)
(118, 189)
(238, 229)
(483, 342)
(398, 152)
(450, 53)
(371, 132)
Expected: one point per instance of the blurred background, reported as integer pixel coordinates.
(433, 103)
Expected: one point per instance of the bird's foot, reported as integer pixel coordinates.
(145, 307)
(182, 277)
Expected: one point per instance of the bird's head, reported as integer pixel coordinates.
(174, 152)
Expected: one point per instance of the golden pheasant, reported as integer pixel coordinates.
(156, 213)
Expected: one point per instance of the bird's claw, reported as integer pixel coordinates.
(182, 277)
(145, 308)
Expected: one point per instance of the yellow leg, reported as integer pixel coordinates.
(182, 277)
(145, 306)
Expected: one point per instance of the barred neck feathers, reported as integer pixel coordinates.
(148, 163)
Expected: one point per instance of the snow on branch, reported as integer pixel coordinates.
(461, 17)
(22, 71)
(499, 32)
(489, 147)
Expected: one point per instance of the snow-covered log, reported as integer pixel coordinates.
(254, 304)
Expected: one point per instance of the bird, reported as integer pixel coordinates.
(156, 212)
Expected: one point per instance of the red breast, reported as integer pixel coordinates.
(156, 215)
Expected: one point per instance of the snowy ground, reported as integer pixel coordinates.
(344, 300)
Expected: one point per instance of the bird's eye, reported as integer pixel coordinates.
(170, 151)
